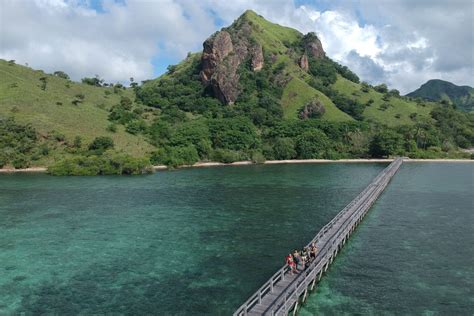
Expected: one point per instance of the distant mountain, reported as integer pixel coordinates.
(437, 90)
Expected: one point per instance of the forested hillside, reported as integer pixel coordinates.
(257, 91)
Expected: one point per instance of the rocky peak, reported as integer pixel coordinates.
(216, 48)
(313, 46)
(222, 55)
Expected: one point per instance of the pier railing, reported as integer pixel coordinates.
(328, 240)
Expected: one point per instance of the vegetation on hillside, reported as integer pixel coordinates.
(282, 112)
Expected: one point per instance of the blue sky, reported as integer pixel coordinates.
(403, 43)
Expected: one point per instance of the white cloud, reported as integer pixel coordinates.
(116, 44)
(403, 43)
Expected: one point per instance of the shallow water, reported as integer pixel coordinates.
(200, 241)
(194, 241)
(413, 253)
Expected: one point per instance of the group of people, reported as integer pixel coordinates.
(303, 258)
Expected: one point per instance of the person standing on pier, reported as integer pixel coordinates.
(305, 257)
(291, 263)
(296, 258)
(313, 251)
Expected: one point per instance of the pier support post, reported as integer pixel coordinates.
(320, 275)
(314, 282)
(295, 309)
(305, 294)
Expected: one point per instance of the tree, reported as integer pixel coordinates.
(44, 82)
(176, 156)
(382, 88)
(324, 69)
(365, 87)
(133, 84)
(77, 141)
(233, 133)
(385, 143)
(101, 144)
(312, 144)
(93, 81)
(284, 148)
(61, 74)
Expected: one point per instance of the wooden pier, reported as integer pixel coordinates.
(284, 292)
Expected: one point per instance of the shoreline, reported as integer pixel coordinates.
(268, 162)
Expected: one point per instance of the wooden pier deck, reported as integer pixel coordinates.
(283, 292)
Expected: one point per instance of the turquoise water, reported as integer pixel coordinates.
(194, 241)
(414, 252)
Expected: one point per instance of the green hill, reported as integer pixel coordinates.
(62, 110)
(257, 91)
(439, 90)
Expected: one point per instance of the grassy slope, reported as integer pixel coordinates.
(270, 35)
(40, 108)
(297, 93)
(399, 106)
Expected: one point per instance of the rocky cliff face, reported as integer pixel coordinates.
(219, 67)
(222, 55)
(313, 46)
(215, 50)
(304, 63)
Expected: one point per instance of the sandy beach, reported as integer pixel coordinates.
(204, 164)
(32, 169)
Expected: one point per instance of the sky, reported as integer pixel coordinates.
(402, 43)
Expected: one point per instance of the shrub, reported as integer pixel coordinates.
(112, 128)
(312, 144)
(314, 109)
(175, 156)
(233, 134)
(58, 136)
(324, 69)
(100, 165)
(3, 161)
(225, 155)
(44, 149)
(136, 127)
(44, 82)
(365, 87)
(284, 148)
(101, 144)
(77, 142)
(93, 81)
(61, 74)
(258, 157)
(382, 88)
(20, 162)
